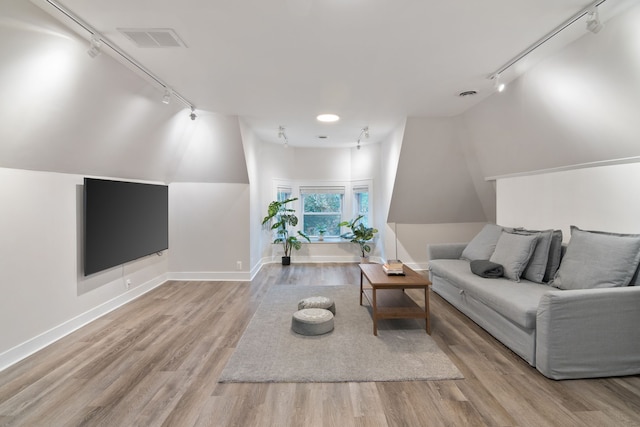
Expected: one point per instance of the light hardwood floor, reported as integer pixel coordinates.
(156, 362)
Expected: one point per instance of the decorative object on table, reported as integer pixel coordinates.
(393, 267)
(359, 234)
(281, 218)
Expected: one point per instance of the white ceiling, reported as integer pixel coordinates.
(281, 62)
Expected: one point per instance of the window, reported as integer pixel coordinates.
(283, 193)
(361, 203)
(322, 205)
(322, 209)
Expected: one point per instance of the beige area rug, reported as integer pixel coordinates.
(269, 351)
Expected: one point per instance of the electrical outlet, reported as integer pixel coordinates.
(128, 283)
(238, 265)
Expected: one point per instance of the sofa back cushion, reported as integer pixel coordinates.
(483, 244)
(555, 255)
(513, 251)
(538, 263)
(597, 259)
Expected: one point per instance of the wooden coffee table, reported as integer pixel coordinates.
(387, 298)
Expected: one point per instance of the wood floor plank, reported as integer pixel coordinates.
(156, 362)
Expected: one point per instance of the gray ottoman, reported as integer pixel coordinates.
(318, 302)
(312, 321)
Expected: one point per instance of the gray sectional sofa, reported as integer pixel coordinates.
(572, 311)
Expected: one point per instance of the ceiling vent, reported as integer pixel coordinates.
(153, 37)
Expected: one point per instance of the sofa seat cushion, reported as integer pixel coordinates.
(517, 301)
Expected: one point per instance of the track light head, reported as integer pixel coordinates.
(364, 131)
(283, 135)
(497, 84)
(593, 21)
(94, 48)
(193, 113)
(167, 97)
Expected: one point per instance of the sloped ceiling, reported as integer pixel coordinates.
(282, 62)
(62, 111)
(433, 184)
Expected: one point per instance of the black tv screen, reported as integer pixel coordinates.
(123, 221)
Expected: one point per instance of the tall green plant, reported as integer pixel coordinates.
(359, 234)
(281, 218)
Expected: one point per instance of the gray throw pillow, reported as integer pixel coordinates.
(597, 259)
(513, 252)
(483, 245)
(555, 255)
(538, 263)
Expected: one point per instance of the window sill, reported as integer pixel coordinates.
(314, 240)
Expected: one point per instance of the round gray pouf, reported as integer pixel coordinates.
(312, 321)
(318, 302)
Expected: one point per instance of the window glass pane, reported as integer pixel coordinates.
(313, 224)
(362, 206)
(284, 193)
(322, 211)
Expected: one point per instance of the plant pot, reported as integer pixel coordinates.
(286, 260)
(364, 260)
(321, 238)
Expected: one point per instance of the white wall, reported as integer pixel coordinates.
(599, 198)
(70, 115)
(44, 292)
(251, 146)
(209, 231)
(309, 165)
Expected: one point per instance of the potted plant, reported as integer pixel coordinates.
(321, 230)
(359, 234)
(281, 218)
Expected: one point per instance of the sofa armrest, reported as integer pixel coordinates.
(445, 250)
(588, 333)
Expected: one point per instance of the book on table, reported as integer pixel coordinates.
(393, 267)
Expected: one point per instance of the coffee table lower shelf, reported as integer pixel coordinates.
(394, 304)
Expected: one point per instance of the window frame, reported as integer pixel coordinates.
(349, 203)
(322, 189)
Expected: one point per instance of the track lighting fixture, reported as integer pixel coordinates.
(283, 135)
(593, 21)
(193, 113)
(363, 132)
(593, 24)
(167, 97)
(98, 41)
(94, 48)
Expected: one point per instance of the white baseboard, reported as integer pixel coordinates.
(27, 348)
(212, 276)
(318, 259)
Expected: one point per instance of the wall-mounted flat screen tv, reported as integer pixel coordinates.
(123, 221)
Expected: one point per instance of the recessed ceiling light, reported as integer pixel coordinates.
(328, 118)
(322, 137)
